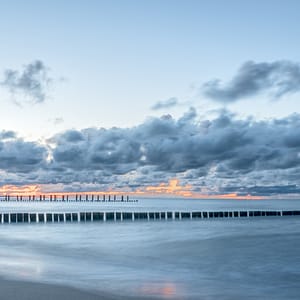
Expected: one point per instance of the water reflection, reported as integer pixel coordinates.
(21, 267)
(168, 260)
(167, 290)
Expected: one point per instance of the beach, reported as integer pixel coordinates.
(22, 290)
(25, 290)
(223, 258)
(16, 290)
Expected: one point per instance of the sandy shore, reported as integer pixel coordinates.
(19, 290)
(23, 290)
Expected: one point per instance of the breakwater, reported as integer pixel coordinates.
(64, 217)
(66, 198)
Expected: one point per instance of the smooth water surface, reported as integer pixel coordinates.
(247, 258)
(154, 204)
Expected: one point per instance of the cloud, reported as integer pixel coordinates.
(271, 190)
(32, 82)
(4, 134)
(279, 78)
(19, 156)
(223, 149)
(169, 103)
(214, 156)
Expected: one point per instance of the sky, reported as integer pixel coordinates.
(186, 98)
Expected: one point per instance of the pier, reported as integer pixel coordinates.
(114, 216)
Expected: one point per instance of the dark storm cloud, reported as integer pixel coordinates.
(18, 156)
(279, 77)
(171, 102)
(263, 190)
(174, 146)
(114, 151)
(32, 82)
(224, 154)
(178, 146)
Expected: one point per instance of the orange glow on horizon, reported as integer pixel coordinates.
(166, 290)
(175, 189)
(172, 188)
(25, 190)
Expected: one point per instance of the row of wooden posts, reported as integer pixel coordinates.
(67, 198)
(52, 217)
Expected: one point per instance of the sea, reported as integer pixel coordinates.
(223, 258)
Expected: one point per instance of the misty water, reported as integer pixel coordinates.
(240, 258)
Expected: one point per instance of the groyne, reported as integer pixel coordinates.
(105, 216)
(67, 198)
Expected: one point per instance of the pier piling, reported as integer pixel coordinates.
(88, 216)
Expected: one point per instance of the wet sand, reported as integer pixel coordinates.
(23, 290)
(20, 290)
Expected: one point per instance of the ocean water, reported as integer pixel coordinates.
(240, 258)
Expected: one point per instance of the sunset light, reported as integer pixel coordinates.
(172, 189)
(150, 149)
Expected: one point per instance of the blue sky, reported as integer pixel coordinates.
(109, 63)
(119, 54)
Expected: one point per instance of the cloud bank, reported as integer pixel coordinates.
(279, 78)
(32, 82)
(171, 102)
(222, 155)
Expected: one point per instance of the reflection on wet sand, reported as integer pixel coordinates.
(164, 290)
(21, 267)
